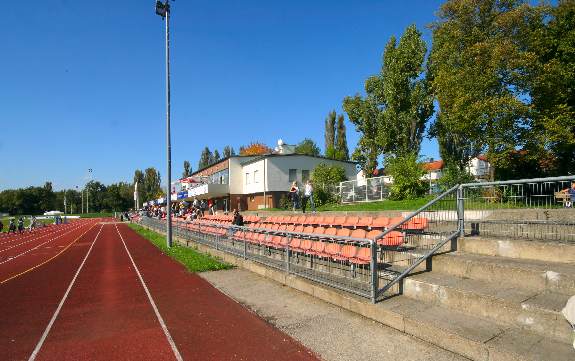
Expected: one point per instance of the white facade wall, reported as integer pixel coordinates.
(253, 177)
(277, 170)
(478, 168)
(433, 175)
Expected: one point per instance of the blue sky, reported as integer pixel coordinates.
(83, 81)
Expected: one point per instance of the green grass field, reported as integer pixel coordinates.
(192, 259)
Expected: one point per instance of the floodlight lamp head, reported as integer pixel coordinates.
(161, 8)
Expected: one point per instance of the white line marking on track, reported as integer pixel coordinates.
(38, 246)
(160, 319)
(42, 236)
(57, 312)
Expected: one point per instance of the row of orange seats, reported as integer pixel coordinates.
(393, 238)
(230, 217)
(368, 222)
(327, 250)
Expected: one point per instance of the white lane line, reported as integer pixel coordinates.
(38, 246)
(51, 323)
(33, 239)
(40, 235)
(160, 319)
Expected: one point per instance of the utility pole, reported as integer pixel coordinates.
(163, 9)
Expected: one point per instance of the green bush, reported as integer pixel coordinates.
(325, 179)
(452, 176)
(406, 173)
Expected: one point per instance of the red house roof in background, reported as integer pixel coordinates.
(482, 157)
(431, 166)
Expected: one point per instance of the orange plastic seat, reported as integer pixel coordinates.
(393, 238)
(358, 233)
(380, 223)
(351, 221)
(395, 220)
(317, 220)
(364, 222)
(298, 229)
(293, 219)
(306, 245)
(339, 221)
(417, 224)
(373, 234)
(295, 244)
(318, 248)
(343, 232)
(328, 221)
(348, 252)
(301, 220)
(331, 231)
(363, 256)
(333, 250)
(308, 229)
(319, 230)
(290, 228)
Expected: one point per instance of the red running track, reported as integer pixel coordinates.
(107, 313)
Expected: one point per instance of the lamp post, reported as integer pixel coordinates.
(87, 191)
(163, 10)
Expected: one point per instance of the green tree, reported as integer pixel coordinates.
(205, 159)
(330, 133)
(407, 103)
(341, 150)
(325, 178)
(363, 114)
(391, 118)
(216, 156)
(476, 66)
(307, 146)
(228, 151)
(187, 169)
(151, 188)
(406, 172)
(552, 90)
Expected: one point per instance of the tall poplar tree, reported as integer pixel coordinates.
(330, 133)
(205, 158)
(341, 150)
(187, 169)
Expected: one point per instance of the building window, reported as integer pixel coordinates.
(247, 178)
(292, 175)
(304, 175)
(256, 176)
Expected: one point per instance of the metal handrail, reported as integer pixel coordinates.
(569, 178)
(414, 213)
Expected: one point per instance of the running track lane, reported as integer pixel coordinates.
(27, 302)
(204, 323)
(107, 314)
(25, 257)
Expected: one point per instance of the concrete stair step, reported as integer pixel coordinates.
(549, 251)
(537, 311)
(510, 272)
(474, 337)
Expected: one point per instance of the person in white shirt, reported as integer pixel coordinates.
(308, 196)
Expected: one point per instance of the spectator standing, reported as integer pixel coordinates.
(308, 197)
(571, 193)
(20, 225)
(294, 195)
(12, 226)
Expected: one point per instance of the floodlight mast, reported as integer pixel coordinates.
(163, 9)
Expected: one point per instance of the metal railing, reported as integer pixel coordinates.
(311, 264)
(370, 190)
(532, 209)
(413, 239)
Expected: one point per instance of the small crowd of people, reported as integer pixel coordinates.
(19, 225)
(187, 210)
(298, 200)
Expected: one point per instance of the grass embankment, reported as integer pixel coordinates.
(192, 259)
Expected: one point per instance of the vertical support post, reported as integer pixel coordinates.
(288, 255)
(353, 191)
(245, 249)
(460, 212)
(168, 136)
(374, 275)
(217, 242)
(366, 188)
